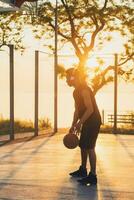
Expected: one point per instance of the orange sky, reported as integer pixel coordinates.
(24, 82)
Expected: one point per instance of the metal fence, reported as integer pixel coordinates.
(29, 89)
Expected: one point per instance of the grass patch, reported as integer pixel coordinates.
(122, 129)
(21, 126)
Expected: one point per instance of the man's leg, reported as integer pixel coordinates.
(92, 160)
(91, 178)
(82, 171)
(84, 154)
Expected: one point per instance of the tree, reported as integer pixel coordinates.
(11, 30)
(87, 25)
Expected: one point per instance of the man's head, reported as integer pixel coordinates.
(75, 77)
(70, 76)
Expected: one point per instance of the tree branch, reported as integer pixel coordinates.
(101, 77)
(101, 80)
(70, 18)
(127, 59)
(73, 31)
(98, 28)
(90, 47)
(105, 5)
(60, 33)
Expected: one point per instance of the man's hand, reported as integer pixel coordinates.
(72, 129)
(78, 128)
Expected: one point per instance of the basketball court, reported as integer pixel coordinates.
(39, 169)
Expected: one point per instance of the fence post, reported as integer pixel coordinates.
(55, 69)
(115, 93)
(36, 92)
(11, 62)
(103, 117)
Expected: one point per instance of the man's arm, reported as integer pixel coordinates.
(88, 112)
(75, 119)
(89, 106)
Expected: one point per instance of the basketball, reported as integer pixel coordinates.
(71, 141)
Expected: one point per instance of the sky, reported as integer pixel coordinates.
(24, 89)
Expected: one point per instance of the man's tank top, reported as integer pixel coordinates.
(95, 117)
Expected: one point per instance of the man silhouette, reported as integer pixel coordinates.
(86, 120)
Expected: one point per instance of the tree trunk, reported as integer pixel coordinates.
(82, 62)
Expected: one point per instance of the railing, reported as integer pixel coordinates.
(122, 119)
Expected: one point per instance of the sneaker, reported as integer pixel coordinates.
(81, 172)
(90, 179)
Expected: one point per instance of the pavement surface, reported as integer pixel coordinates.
(38, 169)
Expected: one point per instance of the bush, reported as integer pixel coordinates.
(44, 123)
(127, 129)
(22, 125)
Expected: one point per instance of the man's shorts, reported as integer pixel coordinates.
(88, 137)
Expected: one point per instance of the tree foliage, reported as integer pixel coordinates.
(11, 30)
(87, 26)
